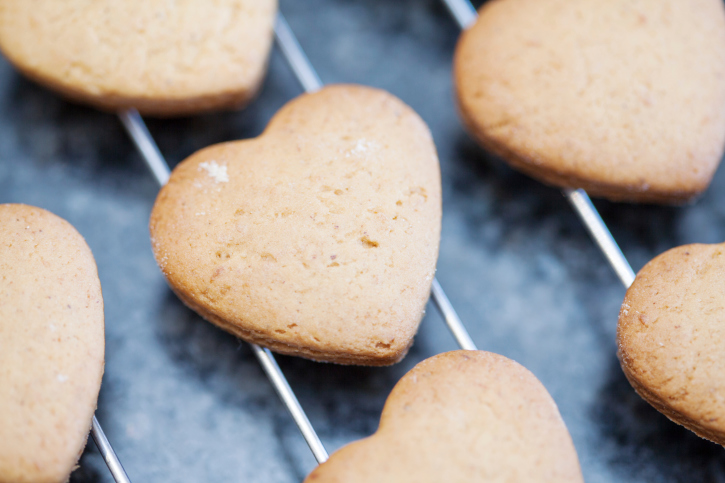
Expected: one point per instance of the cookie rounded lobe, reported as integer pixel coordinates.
(625, 100)
(317, 239)
(670, 337)
(462, 416)
(51, 345)
(162, 58)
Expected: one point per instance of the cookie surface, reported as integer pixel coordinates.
(319, 238)
(51, 345)
(625, 99)
(462, 416)
(163, 58)
(671, 337)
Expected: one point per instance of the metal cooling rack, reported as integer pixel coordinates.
(464, 14)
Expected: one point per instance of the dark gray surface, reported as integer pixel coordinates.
(184, 401)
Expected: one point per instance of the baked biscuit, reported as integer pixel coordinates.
(163, 58)
(625, 99)
(319, 238)
(671, 337)
(51, 345)
(462, 416)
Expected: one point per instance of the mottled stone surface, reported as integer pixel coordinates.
(184, 401)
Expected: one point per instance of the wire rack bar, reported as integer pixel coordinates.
(146, 145)
(596, 227)
(269, 364)
(465, 14)
(109, 456)
(310, 82)
(296, 57)
(451, 317)
(151, 154)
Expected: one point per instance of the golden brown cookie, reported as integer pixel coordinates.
(671, 337)
(625, 99)
(462, 416)
(319, 238)
(51, 345)
(163, 58)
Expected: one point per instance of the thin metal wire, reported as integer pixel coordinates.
(269, 364)
(451, 317)
(464, 14)
(145, 143)
(136, 128)
(596, 227)
(310, 82)
(296, 57)
(109, 456)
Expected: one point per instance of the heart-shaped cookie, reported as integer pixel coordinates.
(161, 57)
(462, 416)
(671, 337)
(51, 345)
(319, 238)
(625, 99)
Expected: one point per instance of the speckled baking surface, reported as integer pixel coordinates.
(183, 401)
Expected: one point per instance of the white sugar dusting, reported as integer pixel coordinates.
(62, 378)
(625, 309)
(361, 147)
(218, 172)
